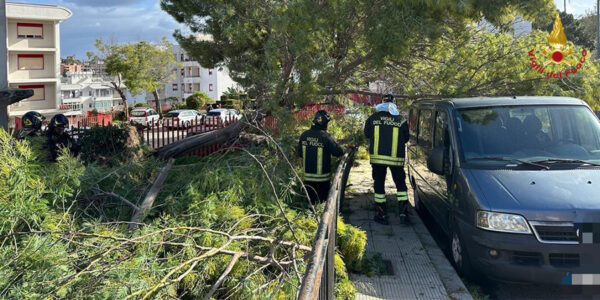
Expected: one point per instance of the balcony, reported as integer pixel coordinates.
(196, 80)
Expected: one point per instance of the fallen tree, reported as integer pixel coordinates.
(220, 136)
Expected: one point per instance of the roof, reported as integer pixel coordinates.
(99, 86)
(70, 87)
(503, 101)
(219, 109)
(37, 11)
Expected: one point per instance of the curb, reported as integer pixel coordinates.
(454, 286)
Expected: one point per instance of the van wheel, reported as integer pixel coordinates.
(460, 257)
(417, 202)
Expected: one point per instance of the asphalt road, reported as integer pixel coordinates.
(490, 289)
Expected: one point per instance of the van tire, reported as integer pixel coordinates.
(460, 256)
(418, 205)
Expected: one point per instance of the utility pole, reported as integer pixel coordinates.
(565, 6)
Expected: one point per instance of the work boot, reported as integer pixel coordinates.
(403, 212)
(381, 216)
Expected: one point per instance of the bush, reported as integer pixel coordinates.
(106, 143)
(197, 100)
(181, 105)
(142, 104)
(233, 103)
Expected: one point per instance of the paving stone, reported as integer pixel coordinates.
(415, 276)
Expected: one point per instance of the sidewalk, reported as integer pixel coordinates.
(420, 270)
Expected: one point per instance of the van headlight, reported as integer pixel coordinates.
(502, 222)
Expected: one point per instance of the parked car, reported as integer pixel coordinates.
(513, 182)
(218, 116)
(183, 118)
(144, 116)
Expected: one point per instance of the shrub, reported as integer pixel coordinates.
(142, 104)
(181, 105)
(197, 100)
(351, 241)
(105, 143)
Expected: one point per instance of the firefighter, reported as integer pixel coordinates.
(316, 147)
(387, 134)
(57, 137)
(31, 124)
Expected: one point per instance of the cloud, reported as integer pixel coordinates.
(112, 20)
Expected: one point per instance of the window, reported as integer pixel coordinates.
(412, 125)
(175, 86)
(210, 71)
(182, 72)
(38, 92)
(90, 93)
(30, 61)
(424, 132)
(30, 31)
(181, 56)
(439, 139)
(210, 87)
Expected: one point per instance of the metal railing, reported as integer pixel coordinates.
(319, 278)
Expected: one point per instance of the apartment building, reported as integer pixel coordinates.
(34, 55)
(192, 77)
(85, 91)
(65, 68)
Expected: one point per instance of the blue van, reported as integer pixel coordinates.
(514, 182)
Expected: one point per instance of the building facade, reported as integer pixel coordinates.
(64, 68)
(84, 91)
(33, 36)
(192, 77)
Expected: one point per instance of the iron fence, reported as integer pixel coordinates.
(319, 278)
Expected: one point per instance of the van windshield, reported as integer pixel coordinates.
(495, 135)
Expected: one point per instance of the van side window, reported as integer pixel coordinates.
(424, 133)
(439, 139)
(412, 125)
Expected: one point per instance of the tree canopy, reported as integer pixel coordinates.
(288, 51)
(142, 66)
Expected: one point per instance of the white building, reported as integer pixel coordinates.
(519, 26)
(192, 77)
(33, 38)
(84, 91)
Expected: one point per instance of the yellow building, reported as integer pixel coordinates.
(33, 36)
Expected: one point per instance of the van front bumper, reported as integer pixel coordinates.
(522, 258)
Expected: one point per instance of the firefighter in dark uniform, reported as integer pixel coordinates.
(57, 137)
(316, 147)
(31, 124)
(387, 134)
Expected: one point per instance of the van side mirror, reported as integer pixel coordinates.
(435, 161)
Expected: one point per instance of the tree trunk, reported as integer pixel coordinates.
(158, 108)
(124, 98)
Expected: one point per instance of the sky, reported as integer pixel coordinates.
(116, 20)
(134, 20)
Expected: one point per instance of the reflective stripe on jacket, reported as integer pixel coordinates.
(387, 136)
(316, 147)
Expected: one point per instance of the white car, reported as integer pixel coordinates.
(183, 118)
(221, 115)
(144, 116)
